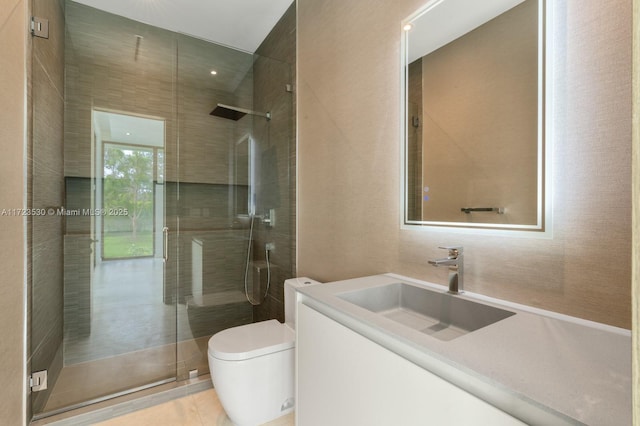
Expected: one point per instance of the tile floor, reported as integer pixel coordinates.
(199, 409)
(133, 334)
(126, 309)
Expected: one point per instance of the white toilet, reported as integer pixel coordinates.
(252, 366)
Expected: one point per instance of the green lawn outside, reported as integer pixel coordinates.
(121, 245)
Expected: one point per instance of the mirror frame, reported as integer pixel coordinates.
(542, 228)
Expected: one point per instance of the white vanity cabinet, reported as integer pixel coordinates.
(344, 378)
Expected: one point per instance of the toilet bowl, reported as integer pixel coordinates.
(252, 366)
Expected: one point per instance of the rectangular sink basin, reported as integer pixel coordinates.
(440, 315)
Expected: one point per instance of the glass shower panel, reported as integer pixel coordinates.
(46, 192)
(275, 150)
(233, 192)
(212, 246)
(117, 306)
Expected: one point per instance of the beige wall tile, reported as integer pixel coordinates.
(273, 69)
(7, 9)
(348, 73)
(12, 134)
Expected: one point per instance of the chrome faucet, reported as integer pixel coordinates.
(455, 262)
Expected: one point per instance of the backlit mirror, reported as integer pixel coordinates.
(474, 114)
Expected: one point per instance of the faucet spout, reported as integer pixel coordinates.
(455, 262)
(444, 262)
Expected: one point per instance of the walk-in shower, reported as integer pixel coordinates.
(165, 196)
(236, 113)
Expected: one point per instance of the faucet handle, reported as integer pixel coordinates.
(453, 250)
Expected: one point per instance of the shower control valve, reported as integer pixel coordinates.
(269, 219)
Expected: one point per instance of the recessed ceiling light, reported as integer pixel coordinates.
(407, 27)
(214, 72)
(128, 133)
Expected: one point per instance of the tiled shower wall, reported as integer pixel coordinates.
(206, 188)
(277, 186)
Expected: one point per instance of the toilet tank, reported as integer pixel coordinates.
(290, 286)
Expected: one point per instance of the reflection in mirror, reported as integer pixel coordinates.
(474, 114)
(244, 186)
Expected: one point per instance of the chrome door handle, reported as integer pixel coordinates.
(165, 245)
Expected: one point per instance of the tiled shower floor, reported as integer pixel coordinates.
(130, 340)
(78, 383)
(127, 312)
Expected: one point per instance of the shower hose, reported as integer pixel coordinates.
(246, 267)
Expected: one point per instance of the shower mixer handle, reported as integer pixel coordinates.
(269, 218)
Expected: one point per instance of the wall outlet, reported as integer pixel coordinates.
(270, 246)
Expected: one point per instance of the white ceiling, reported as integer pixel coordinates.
(444, 21)
(241, 24)
(129, 129)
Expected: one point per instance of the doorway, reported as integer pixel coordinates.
(127, 202)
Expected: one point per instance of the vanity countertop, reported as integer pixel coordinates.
(539, 366)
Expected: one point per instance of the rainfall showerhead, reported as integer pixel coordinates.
(224, 112)
(236, 113)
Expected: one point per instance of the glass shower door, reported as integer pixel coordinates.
(113, 314)
(212, 247)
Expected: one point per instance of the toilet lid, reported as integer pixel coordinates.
(251, 340)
